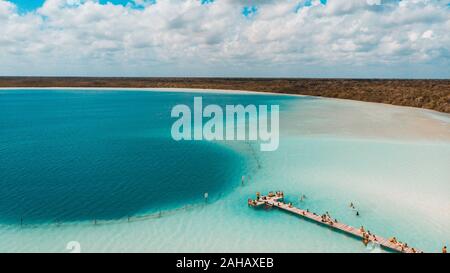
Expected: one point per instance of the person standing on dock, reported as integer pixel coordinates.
(365, 239)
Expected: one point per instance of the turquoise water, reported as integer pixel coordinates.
(391, 162)
(70, 156)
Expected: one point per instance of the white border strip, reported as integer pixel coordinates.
(158, 89)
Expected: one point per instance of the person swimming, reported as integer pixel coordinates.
(301, 198)
(357, 213)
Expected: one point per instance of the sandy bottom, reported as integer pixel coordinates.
(354, 119)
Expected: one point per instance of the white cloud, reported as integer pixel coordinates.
(427, 34)
(177, 37)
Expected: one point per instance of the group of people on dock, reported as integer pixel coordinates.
(259, 198)
(278, 194)
(403, 246)
(251, 202)
(326, 218)
(367, 236)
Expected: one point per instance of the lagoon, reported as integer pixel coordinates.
(112, 150)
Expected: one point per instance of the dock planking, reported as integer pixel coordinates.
(276, 200)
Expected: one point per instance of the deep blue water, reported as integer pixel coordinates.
(80, 155)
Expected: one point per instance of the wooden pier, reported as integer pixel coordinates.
(277, 200)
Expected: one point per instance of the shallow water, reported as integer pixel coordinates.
(396, 174)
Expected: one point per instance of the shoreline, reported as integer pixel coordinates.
(158, 89)
(222, 91)
(417, 93)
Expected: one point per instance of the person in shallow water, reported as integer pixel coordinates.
(302, 198)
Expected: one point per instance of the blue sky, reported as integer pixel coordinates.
(29, 5)
(283, 38)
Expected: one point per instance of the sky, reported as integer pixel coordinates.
(226, 38)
